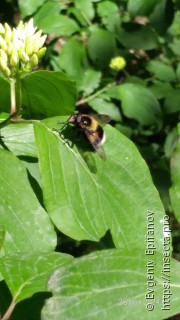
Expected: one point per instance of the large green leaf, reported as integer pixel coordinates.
(29, 6)
(2, 235)
(26, 274)
(46, 93)
(113, 285)
(138, 103)
(26, 223)
(86, 196)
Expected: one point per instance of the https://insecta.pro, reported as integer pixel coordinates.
(90, 126)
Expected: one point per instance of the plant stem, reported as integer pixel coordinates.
(16, 99)
(97, 93)
(13, 96)
(9, 311)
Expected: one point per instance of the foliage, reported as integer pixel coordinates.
(56, 194)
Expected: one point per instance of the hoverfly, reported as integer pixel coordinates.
(90, 126)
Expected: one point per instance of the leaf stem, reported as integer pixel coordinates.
(16, 101)
(15, 85)
(97, 93)
(9, 311)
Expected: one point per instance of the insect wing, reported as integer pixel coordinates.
(101, 118)
(96, 144)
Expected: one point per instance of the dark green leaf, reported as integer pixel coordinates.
(101, 47)
(161, 17)
(172, 101)
(26, 274)
(46, 93)
(161, 71)
(117, 189)
(178, 71)
(29, 6)
(110, 15)
(139, 103)
(144, 38)
(113, 285)
(4, 95)
(141, 7)
(26, 223)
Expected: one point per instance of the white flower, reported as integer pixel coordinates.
(20, 45)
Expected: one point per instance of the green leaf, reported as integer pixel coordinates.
(58, 25)
(5, 103)
(111, 284)
(178, 71)
(175, 46)
(26, 223)
(48, 9)
(143, 38)
(162, 15)
(90, 82)
(160, 90)
(161, 71)
(135, 79)
(175, 178)
(139, 103)
(141, 7)
(171, 142)
(101, 105)
(86, 8)
(101, 47)
(46, 93)
(171, 103)
(26, 274)
(110, 15)
(19, 139)
(84, 201)
(72, 59)
(29, 6)
(2, 236)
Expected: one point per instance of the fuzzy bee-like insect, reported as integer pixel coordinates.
(90, 126)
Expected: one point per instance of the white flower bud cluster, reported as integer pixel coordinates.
(20, 48)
